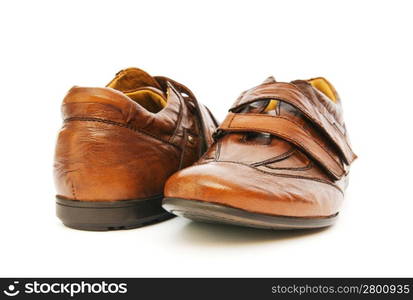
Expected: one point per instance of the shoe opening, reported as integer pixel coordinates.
(325, 87)
(141, 88)
(149, 98)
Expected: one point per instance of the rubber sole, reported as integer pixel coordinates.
(114, 215)
(215, 213)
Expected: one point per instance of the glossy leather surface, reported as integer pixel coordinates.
(292, 160)
(112, 148)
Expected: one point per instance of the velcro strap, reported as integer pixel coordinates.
(291, 94)
(289, 131)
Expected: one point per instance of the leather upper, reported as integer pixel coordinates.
(114, 147)
(283, 149)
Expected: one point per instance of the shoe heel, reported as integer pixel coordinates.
(110, 215)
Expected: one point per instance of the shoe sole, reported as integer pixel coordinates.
(215, 213)
(113, 215)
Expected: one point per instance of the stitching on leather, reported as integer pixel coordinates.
(342, 129)
(274, 159)
(284, 175)
(127, 126)
(305, 168)
(287, 137)
(73, 191)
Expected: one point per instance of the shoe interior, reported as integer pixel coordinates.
(150, 99)
(140, 87)
(324, 86)
(320, 83)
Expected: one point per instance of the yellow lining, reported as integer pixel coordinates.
(325, 87)
(319, 83)
(271, 105)
(148, 99)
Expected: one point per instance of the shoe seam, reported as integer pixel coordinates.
(274, 159)
(305, 168)
(114, 123)
(73, 191)
(284, 175)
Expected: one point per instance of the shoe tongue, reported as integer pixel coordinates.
(132, 79)
(270, 107)
(258, 107)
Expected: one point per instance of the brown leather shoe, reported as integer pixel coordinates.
(281, 161)
(119, 144)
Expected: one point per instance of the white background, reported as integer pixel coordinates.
(218, 49)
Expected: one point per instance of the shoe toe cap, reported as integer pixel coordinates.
(249, 189)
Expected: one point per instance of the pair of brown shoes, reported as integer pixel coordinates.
(144, 149)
